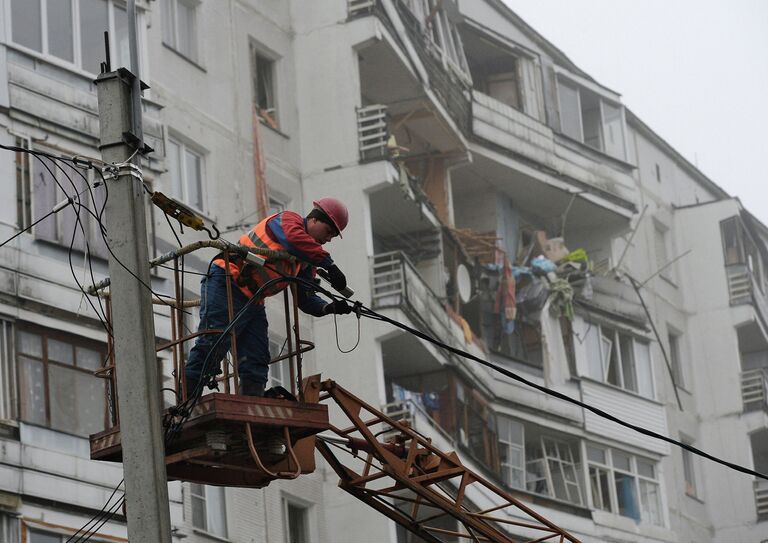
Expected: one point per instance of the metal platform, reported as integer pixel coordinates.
(232, 440)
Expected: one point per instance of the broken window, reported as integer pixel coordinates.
(180, 27)
(619, 359)
(185, 168)
(551, 469)
(209, 509)
(591, 119)
(264, 87)
(624, 484)
(57, 388)
(48, 28)
(440, 32)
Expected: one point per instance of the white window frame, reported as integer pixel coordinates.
(76, 65)
(606, 334)
(511, 447)
(184, 148)
(283, 368)
(206, 498)
(675, 345)
(633, 473)
(170, 11)
(570, 81)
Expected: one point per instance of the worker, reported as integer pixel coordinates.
(302, 237)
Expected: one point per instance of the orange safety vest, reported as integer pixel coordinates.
(255, 276)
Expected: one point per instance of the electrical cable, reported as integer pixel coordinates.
(599, 412)
(86, 527)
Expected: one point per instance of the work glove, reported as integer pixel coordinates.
(337, 279)
(340, 307)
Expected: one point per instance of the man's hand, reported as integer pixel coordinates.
(337, 279)
(340, 307)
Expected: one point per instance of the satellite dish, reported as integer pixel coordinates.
(464, 283)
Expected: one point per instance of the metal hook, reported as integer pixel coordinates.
(210, 235)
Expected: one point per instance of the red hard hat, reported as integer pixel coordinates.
(336, 211)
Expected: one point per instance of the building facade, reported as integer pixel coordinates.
(465, 146)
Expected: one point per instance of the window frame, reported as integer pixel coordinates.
(205, 499)
(271, 114)
(289, 502)
(199, 153)
(617, 336)
(643, 509)
(690, 480)
(47, 334)
(77, 64)
(568, 80)
(170, 23)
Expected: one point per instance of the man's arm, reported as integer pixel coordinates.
(290, 231)
(309, 302)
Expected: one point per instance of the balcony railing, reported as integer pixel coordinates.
(754, 389)
(397, 283)
(761, 498)
(360, 7)
(743, 288)
(415, 415)
(372, 132)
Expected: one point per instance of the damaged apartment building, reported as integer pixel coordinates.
(502, 201)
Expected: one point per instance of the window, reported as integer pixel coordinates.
(57, 387)
(624, 484)
(512, 452)
(275, 206)
(185, 168)
(619, 359)
(264, 87)
(296, 523)
(537, 463)
(180, 27)
(71, 31)
(23, 185)
(591, 119)
(551, 469)
(54, 181)
(440, 31)
(209, 511)
(279, 372)
(674, 359)
(8, 401)
(661, 241)
(689, 472)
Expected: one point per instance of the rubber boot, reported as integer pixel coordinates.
(251, 388)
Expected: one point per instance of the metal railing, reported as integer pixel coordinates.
(397, 283)
(372, 132)
(408, 411)
(761, 498)
(754, 389)
(744, 288)
(360, 7)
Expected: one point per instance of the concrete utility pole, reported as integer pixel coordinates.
(146, 489)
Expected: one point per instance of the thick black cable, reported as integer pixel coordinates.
(97, 518)
(599, 412)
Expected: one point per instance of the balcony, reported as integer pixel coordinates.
(754, 389)
(397, 283)
(761, 499)
(744, 288)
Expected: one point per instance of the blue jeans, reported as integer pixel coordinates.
(250, 332)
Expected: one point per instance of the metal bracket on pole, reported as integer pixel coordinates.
(126, 169)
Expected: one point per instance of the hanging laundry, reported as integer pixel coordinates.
(506, 304)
